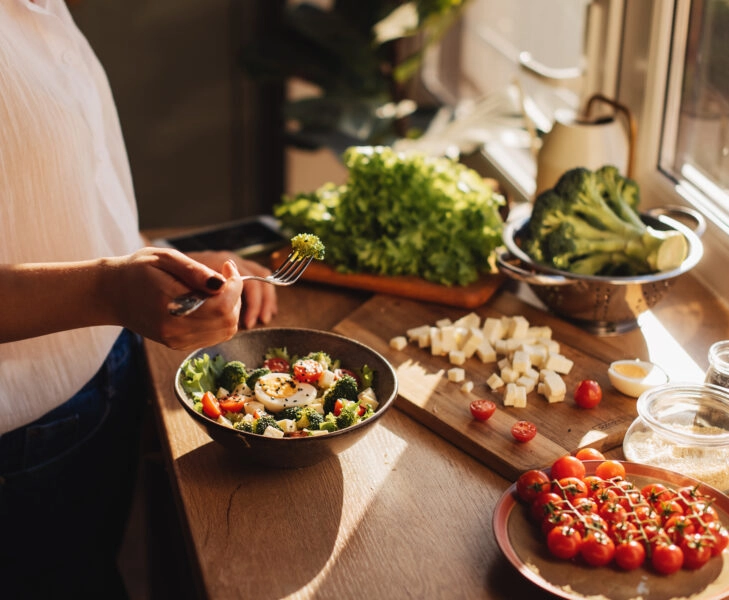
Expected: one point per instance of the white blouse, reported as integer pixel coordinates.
(65, 190)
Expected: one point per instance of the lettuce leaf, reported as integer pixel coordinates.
(200, 373)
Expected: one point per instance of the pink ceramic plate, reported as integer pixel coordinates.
(526, 549)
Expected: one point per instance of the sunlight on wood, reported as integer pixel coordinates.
(411, 374)
(666, 352)
(592, 438)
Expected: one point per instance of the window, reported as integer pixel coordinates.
(667, 60)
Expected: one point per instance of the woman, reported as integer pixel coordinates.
(78, 289)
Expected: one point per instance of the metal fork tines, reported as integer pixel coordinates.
(289, 272)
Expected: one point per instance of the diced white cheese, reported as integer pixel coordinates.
(540, 332)
(527, 383)
(467, 387)
(503, 363)
(456, 357)
(313, 432)
(474, 339)
(272, 432)
(288, 425)
(494, 381)
(326, 379)
(468, 321)
(398, 342)
(415, 333)
(518, 328)
(552, 346)
(509, 375)
(368, 397)
(440, 323)
(559, 363)
(552, 386)
(448, 338)
(436, 342)
(485, 352)
(253, 407)
(520, 361)
(456, 375)
(492, 329)
(514, 395)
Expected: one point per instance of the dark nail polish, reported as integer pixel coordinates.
(214, 283)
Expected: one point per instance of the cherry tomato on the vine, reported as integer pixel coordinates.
(523, 431)
(589, 454)
(532, 483)
(588, 394)
(610, 469)
(629, 554)
(564, 542)
(667, 558)
(567, 466)
(482, 409)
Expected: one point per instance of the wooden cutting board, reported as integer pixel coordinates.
(468, 296)
(426, 394)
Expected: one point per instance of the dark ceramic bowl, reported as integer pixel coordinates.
(250, 347)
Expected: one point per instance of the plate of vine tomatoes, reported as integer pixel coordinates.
(616, 530)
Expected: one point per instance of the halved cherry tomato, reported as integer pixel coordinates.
(277, 365)
(588, 394)
(307, 370)
(482, 409)
(532, 483)
(523, 431)
(338, 406)
(211, 406)
(232, 404)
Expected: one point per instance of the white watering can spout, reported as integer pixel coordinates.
(584, 141)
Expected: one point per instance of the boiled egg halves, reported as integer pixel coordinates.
(277, 391)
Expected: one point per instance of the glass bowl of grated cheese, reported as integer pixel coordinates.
(683, 427)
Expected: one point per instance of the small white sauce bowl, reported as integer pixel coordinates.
(633, 377)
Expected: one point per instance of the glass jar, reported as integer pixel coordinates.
(683, 427)
(718, 371)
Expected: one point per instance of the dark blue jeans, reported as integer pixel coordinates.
(66, 484)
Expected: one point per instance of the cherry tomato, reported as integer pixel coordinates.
(211, 406)
(307, 370)
(719, 537)
(532, 483)
(613, 512)
(232, 404)
(337, 408)
(667, 558)
(482, 409)
(567, 466)
(523, 431)
(629, 554)
(678, 527)
(667, 509)
(589, 454)
(588, 394)
(277, 365)
(545, 504)
(696, 551)
(564, 542)
(597, 549)
(610, 469)
(555, 520)
(569, 488)
(656, 492)
(339, 373)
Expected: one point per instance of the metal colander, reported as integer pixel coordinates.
(600, 305)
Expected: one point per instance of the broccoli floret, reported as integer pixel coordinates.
(322, 358)
(255, 375)
(234, 374)
(307, 245)
(244, 425)
(588, 224)
(344, 388)
(329, 423)
(349, 415)
(264, 422)
(290, 412)
(309, 419)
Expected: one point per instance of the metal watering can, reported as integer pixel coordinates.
(582, 141)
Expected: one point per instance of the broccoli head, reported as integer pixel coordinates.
(307, 245)
(255, 375)
(264, 422)
(344, 388)
(588, 224)
(292, 413)
(233, 374)
(309, 419)
(349, 415)
(244, 425)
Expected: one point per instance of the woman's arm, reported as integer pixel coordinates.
(131, 291)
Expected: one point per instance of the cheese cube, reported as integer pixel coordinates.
(558, 363)
(540, 332)
(527, 383)
(398, 342)
(552, 386)
(272, 432)
(492, 329)
(509, 374)
(472, 342)
(468, 321)
(494, 381)
(416, 333)
(367, 397)
(456, 357)
(436, 342)
(520, 361)
(456, 375)
(503, 363)
(518, 327)
(440, 323)
(514, 395)
(288, 425)
(467, 387)
(448, 338)
(486, 352)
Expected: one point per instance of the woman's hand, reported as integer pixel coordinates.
(260, 300)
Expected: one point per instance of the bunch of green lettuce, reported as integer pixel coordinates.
(402, 214)
(199, 374)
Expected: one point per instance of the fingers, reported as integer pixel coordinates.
(194, 274)
(261, 301)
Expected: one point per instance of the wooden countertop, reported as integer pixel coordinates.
(402, 514)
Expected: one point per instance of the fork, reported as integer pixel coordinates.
(289, 272)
